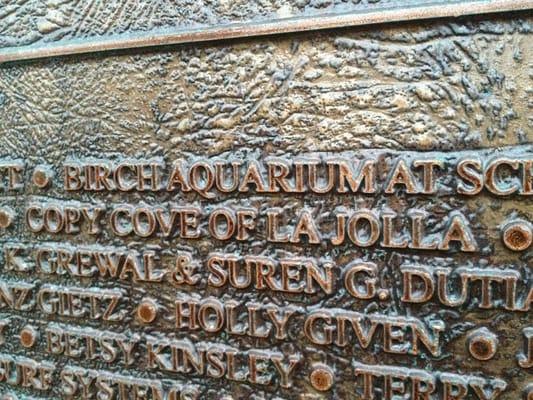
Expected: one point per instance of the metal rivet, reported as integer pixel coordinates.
(482, 344)
(321, 378)
(518, 236)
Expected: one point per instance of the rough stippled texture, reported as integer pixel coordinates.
(437, 86)
(35, 22)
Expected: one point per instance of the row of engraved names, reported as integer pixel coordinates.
(306, 279)
(411, 228)
(214, 316)
(183, 358)
(323, 173)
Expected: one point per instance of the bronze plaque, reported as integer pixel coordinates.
(338, 214)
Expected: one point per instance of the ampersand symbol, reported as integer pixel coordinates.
(185, 271)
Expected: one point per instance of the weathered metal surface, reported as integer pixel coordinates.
(33, 29)
(119, 217)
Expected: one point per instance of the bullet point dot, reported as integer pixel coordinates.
(383, 294)
(147, 311)
(6, 217)
(41, 177)
(28, 336)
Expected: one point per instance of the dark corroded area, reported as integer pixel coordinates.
(441, 91)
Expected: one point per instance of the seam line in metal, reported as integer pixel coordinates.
(253, 29)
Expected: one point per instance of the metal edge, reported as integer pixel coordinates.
(232, 31)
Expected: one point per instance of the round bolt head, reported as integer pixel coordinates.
(518, 236)
(321, 378)
(482, 344)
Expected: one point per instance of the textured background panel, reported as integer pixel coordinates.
(440, 86)
(83, 26)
